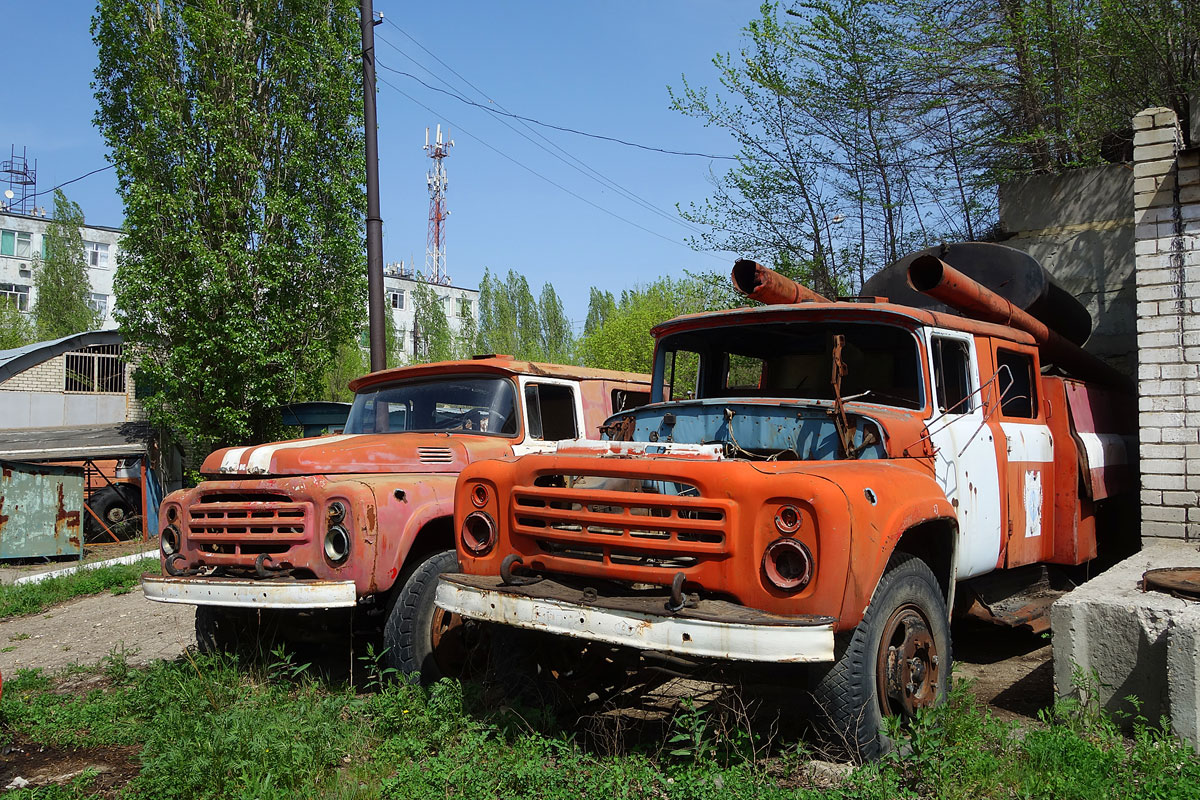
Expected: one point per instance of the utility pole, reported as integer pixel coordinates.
(375, 307)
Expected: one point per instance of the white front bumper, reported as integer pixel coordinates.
(250, 593)
(686, 633)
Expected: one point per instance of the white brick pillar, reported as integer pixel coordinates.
(1166, 200)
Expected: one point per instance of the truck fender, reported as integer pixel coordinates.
(925, 526)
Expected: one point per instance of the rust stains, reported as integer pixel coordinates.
(3, 516)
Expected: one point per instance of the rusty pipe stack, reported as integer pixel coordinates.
(768, 286)
(934, 277)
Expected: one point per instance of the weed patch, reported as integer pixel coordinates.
(209, 727)
(32, 598)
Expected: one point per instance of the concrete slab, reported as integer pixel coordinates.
(1140, 644)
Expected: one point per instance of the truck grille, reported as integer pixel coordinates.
(247, 524)
(626, 526)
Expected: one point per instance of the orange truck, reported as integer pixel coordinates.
(844, 475)
(364, 519)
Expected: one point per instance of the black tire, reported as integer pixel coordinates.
(118, 506)
(869, 681)
(420, 637)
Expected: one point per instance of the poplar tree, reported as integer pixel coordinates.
(236, 130)
(61, 278)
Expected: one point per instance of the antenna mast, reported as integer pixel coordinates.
(435, 247)
(21, 180)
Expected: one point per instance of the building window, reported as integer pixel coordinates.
(464, 307)
(396, 298)
(16, 294)
(446, 303)
(99, 304)
(97, 254)
(99, 368)
(16, 243)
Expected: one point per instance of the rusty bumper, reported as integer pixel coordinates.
(711, 629)
(250, 593)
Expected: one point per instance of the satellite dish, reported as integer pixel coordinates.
(8, 193)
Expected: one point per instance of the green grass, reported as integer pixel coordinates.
(33, 598)
(207, 728)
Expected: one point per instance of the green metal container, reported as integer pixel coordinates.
(41, 508)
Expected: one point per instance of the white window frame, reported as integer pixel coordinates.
(11, 292)
(97, 254)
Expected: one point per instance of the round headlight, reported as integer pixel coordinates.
(169, 540)
(336, 512)
(788, 564)
(478, 533)
(172, 513)
(337, 544)
(787, 519)
(479, 495)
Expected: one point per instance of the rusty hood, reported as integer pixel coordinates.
(357, 454)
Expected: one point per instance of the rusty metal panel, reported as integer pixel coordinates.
(41, 507)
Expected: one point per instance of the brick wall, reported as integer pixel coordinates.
(47, 376)
(1166, 200)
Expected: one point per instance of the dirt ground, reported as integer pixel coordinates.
(86, 630)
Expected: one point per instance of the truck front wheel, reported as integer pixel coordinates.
(896, 661)
(422, 638)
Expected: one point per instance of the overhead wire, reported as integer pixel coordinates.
(537, 174)
(579, 165)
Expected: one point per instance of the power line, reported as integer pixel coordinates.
(579, 166)
(534, 172)
(68, 183)
(564, 129)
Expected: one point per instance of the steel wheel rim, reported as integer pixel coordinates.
(447, 642)
(908, 666)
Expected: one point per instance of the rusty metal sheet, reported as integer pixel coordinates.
(40, 510)
(250, 593)
(1177, 581)
(1103, 423)
(713, 629)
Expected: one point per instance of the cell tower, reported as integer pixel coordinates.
(435, 247)
(21, 183)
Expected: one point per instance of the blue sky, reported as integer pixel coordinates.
(599, 67)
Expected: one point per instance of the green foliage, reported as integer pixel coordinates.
(236, 131)
(207, 728)
(15, 329)
(32, 598)
(621, 339)
(869, 128)
(513, 322)
(600, 305)
(61, 279)
(435, 341)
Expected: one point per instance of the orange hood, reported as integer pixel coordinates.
(357, 453)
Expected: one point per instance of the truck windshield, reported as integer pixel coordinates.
(476, 405)
(793, 360)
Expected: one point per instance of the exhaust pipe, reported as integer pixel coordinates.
(934, 277)
(768, 286)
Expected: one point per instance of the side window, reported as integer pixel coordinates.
(952, 376)
(551, 411)
(623, 399)
(1018, 389)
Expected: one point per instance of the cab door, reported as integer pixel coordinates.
(965, 455)
(553, 412)
(1028, 456)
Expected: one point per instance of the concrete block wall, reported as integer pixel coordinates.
(1166, 212)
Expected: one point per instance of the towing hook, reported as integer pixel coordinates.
(174, 571)
(678, 600)
(260, 565)
(506, 572)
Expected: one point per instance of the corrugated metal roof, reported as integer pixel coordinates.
(75, 442)
(20, 359)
